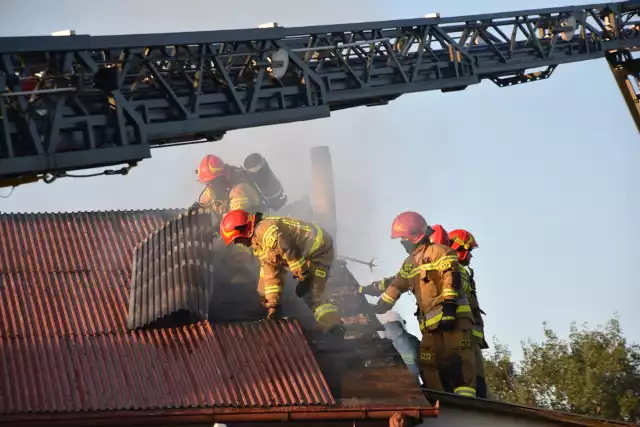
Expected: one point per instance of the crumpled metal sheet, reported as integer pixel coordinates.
(173, 272)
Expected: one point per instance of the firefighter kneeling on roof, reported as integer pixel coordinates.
(279, 242)
(432, 272)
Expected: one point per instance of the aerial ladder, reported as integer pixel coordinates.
(83, 102)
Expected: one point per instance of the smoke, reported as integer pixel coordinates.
(357, 155)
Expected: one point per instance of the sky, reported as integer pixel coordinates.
(540, 173)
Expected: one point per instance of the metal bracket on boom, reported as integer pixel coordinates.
(626, 71)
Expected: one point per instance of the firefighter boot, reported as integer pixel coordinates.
(333, 341)
(481, 387)
(337, 333)
(273, 313)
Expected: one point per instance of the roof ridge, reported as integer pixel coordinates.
(92, 211)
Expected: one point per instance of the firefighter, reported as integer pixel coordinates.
(463, 243)
(432, 273)
(227, 187)
(279, 242)
(377, 288)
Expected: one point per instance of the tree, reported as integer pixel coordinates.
(593, 372)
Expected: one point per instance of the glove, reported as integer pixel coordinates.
(373, 289)
(448, 321)
(303, 287)
(273, 313)
(366, 290)
(301, 274)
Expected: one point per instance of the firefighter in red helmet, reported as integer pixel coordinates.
(226, 187)
(281, 242)
(253, 188)
(432, 272)
(463, 243)
(439, 235)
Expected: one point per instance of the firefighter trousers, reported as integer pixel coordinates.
(451, 352)
(481, 383)
(325, 313)
(311, 290)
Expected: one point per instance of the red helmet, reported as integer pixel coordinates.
(439, 235)
(462, 242)
(212, 167)
(409, 226)
(236, 224)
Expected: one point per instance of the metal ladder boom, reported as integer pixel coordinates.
(77, 102)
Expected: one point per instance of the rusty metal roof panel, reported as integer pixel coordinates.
(173, 270)
(68, 274)
(70, 242)
(259, 364)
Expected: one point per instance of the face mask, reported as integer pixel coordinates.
(408, 246)
(244, 241)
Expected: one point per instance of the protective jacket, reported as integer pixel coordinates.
(469, 285)
(286, 242)
(432, 272)
(307, 250)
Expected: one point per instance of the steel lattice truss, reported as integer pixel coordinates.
(80, 101)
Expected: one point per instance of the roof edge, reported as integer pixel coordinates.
(213, 415)
(505, 408)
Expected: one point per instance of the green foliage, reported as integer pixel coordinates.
(593, 372)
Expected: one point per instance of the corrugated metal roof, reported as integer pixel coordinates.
(64, 344)
(68, 274)
(259, 364)
(173, 270)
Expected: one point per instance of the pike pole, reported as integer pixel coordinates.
(370, 264)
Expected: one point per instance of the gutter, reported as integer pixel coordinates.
(217, 415)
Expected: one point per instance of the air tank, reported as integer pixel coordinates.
(261, 174)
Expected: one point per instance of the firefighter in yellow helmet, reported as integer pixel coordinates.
(280, 242)
(432, 272)
(463, 243)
